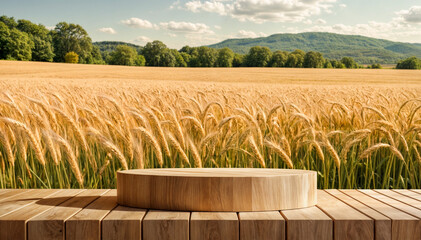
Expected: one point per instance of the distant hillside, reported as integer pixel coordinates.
(109, 46)
(333, 46)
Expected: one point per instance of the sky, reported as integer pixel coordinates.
(201, 22)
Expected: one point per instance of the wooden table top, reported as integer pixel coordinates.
(95, 214)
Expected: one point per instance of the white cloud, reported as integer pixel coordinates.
(320, 21)
(186, 27)
(342, 5)
(260, 11)
(138, 23)
(143, 39)
(249, 34)
(206, 6)
(217, 27)
(107, 30)
(50, 27)
(412, 15)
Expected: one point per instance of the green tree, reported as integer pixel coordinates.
(349, 62)
(96, 56)
(409, 63)
(71, 57)
(179, 59)
(327, 64)
(40, 35)
(19, 46)
(123, 55)
(167, 59)
(205, 57)
(313, 60)
(279, 59)
(238, 60)
(9, 21)
(153, 51)
(140, 60)
(258, 57)
(186, 57)
(225, 57)
(293, 61)
(4, 40)
(71, 38)
(376, 66)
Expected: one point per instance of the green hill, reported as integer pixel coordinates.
(333, 46)
(109, 46)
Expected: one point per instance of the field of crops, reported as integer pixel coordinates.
(61, 128)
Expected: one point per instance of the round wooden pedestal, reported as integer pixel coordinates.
(217, 189)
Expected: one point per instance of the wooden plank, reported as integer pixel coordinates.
(86, 224)
(214, 225)
(402, 198)
(13, 225)
(416, 190)
(6, 191)
(261, 225)
(165, 225)
(19, 201)
(308, 223)
(123, 223)
(50, 224)
(394, 203)
(409, 193)
(348, 222)
(404, 226)
(12, 193)
(382, 224)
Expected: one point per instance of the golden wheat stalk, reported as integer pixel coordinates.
(32, 139)
(152, 142)
(178, 148)
(7, 147)
(256, 151)
(71, 158)
(284, 156)
(195, 153)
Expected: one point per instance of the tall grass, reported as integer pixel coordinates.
(54, 136)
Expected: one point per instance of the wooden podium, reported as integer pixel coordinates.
(217, 189)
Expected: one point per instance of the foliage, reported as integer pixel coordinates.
(41, 37)
(123, 55)
(71, 57)
(140, 60)
(376, 66)
(238, 60)
(153, 51)
(349, 62)
(69, 37)
(409, 63)
(15, 45)
(225, 58)
(258, 57)
(279, 59)
(313, 60)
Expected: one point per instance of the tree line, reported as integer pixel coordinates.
(67, 42)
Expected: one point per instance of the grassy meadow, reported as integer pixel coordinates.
(74, 126)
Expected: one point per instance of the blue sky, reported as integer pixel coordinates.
(200, 22)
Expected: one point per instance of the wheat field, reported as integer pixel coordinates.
(74, 126)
